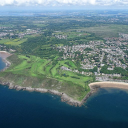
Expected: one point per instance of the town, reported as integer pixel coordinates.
(98, 54)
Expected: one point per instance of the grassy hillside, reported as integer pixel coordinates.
(14, 42)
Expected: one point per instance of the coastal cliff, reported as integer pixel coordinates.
(43, 85)
(47, 85)
(64, 97)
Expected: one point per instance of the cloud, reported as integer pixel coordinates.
(62, 2)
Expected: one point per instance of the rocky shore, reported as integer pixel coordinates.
(64, 97)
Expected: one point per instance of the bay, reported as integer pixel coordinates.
(107, 108)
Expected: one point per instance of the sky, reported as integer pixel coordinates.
(66, 3)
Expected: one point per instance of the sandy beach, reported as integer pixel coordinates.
(106, 84)
(4, 54)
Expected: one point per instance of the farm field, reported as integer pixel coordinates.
(14, 42)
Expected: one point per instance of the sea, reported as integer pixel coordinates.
(107, 108)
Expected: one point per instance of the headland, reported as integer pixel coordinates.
(64, 97)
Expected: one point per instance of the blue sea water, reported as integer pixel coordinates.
(2, 64)
(107, 108)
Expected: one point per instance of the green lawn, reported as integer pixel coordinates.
(12, 41)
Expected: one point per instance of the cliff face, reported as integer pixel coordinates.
(64, 97)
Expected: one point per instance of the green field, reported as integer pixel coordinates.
(34, 71)
(12, 41)
(72, 34)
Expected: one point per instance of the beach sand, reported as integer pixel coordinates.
(107, 84)
(4, 54)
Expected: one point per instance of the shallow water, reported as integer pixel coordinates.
(107, 108)
(2, 64)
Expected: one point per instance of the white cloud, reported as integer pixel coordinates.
(92, 1)
(63, 2)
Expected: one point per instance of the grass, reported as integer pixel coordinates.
(36, 72)
(3, 41)
(12, 41)
(72, 34)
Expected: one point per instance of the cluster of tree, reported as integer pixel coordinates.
(41, 46)
(70, 24)
(117, 70)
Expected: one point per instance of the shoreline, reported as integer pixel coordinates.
(64, 97)
(109, 84)
(4, 55)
